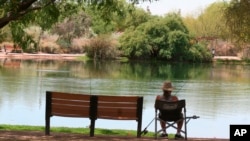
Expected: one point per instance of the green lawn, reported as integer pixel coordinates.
(98, 131)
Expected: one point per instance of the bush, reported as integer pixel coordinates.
(159, 38)
(49, 47)
(101, 48)
(199, 53)
(78, 44)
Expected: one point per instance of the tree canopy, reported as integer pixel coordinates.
(145, 36)
(16, 9)
(238, 18)
(161, 38)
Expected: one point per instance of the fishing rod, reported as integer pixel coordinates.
(145, 131)
(176, 92)
(90, 89)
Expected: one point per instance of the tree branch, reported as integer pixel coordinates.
(22, 9)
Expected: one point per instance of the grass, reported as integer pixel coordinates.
(85, 131)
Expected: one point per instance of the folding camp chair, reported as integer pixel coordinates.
(171, 111)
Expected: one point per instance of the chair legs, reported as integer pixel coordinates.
(170, 124)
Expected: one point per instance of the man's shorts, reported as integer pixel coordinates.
(170, 117)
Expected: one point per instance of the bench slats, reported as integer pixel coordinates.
(60, 95)
(93, 107)
(70, 102)
(116, 104)
(117, 113)
(70, 112)
(102, 98)
(117, 107)
(73, 107)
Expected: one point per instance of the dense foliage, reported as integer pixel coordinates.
(144, 36)
(161, 38)
(207, 24)
(20, 14)
(238, 18)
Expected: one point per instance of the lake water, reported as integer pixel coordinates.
(218, 93)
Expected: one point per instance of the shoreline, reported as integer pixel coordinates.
(24, 56)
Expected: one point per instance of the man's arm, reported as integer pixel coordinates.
(175, 98)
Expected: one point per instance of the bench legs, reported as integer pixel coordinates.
(47, 113)
(92, 128)
(47, 127)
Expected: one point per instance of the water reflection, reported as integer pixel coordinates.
(218, 93)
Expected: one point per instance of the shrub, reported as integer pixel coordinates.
(101, 48)
(49, 47)
(78, 44)
(199, 53)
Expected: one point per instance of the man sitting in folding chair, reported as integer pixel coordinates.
(171, 110)
(167, 89)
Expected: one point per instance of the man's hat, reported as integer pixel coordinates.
(167, 86)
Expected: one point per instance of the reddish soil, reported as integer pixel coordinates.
(74, 56)
(39, 136)
(40, 56)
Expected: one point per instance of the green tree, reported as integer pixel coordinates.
(128, 16)
(237, 16)
(210, 23)
(133, 18)
(179, 42)
(16, 9)
(135, 44)
(198, 53)
(19, 14)
(17, 28)
(162, 38)
(76, 25)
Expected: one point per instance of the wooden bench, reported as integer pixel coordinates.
(93, 107)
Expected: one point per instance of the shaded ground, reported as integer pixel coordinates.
(39, 136)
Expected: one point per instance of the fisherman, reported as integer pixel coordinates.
(167, 89)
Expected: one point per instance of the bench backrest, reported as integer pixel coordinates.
(68, 105)
(93, 107)
(119, 107)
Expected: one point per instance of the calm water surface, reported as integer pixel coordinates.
(218, 93)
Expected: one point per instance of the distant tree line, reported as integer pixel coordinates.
(81, 25)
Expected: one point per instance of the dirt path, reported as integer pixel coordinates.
(227, 58)
(40, 56)
(74, 56)
(39, 136)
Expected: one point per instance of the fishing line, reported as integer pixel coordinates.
(176, 92)
(90, 82)
(145, 131)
